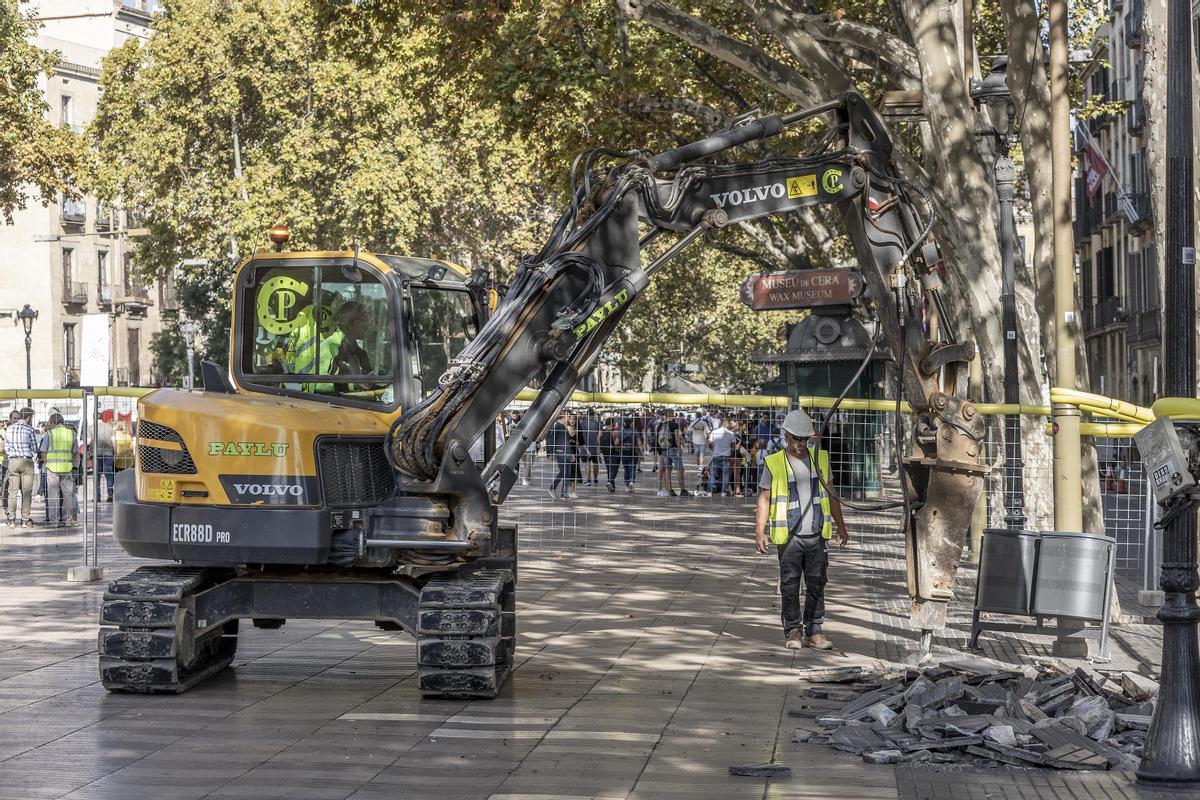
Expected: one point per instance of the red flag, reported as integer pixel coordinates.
(1096, 170)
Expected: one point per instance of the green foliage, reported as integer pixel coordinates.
(32, 151)
(344, 136)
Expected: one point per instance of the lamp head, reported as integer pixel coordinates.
(27, 315)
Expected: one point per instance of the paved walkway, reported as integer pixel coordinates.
(649, 657)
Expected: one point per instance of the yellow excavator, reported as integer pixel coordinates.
(326, 471)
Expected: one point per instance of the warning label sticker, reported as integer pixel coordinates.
(802, 186)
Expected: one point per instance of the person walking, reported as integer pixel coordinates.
(721, 442)
(560, 444)
(609, 443)
(673, 457)
(102, 454)
(630, 445)
(797, 506)
(589, 441)
(20, 446)
(57, 447)
(701, 428)
(13, 417)
(660, 442)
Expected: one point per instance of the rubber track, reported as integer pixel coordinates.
(466, 634)
(148, 642)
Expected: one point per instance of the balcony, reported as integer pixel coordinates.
(1111, 208)
(1107, 311)
(104, 295)
(168, 298)
(1141, 207)
(70, 377)
(1133, 24)
(1142, 327)
(1135, 117)
(73, 212)
(75, 293)
(106, 218)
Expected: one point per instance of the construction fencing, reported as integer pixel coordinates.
(620, 496)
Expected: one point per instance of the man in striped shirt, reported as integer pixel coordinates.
(20, 446)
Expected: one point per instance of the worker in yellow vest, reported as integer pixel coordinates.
(797, 507)
(58, 446)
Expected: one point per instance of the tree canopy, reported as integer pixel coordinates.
(37, 159)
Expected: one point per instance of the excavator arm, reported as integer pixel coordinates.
(566, 301)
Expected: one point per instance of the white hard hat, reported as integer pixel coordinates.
(798, 424)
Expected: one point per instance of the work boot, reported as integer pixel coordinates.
(794, 639)
(818, 642)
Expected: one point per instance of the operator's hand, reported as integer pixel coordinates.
(843, 536)
(760, 542)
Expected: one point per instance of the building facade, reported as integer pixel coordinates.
(73, 257)
(1114, 240)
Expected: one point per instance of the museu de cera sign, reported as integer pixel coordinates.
(801, 288)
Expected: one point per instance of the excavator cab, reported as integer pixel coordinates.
(364, 331)
(280, 458)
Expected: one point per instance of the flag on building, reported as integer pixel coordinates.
(1096, 170)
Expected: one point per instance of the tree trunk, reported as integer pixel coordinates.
(1035, 292)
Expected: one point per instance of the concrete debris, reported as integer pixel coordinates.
(766, 770)
(1001, 734)
(1138, 688)
(881, 714)
(980, 712)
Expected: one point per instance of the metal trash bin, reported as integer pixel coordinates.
(1007, 567)
(1072, 575)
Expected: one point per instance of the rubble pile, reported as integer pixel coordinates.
(980, 712)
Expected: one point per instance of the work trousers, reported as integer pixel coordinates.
(22, 477)
(612, 465)
(60, 484)
(104, 469)
(803, 557)
(718, 463)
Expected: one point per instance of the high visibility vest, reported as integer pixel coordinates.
(303, 347)
(60, 452)
(781, 496)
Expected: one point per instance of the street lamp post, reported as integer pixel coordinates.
(189, 330)
(992, 98)
(1172, 754)
(27, 315)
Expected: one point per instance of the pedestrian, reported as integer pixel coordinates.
(673, 456)
(721, 443)
(58, 446)
(122, 446)
(526, 466)
(12, 417)
(796, 509)
(660, 441)
(101, 445)
(560, 445)
(701, 428)
(20, 446)
(609, 443)
(630, 451)
(589, 442)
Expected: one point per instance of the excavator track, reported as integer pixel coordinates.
(149, 642)
(466, 633)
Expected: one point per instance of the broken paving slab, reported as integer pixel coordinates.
(856, 738)
(765, 770)
(1138, 687)
(1043, 717)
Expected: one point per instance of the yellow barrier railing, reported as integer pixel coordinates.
(73, 394)
(1131, 417)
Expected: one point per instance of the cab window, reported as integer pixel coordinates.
(324, 330)
(441, 322)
